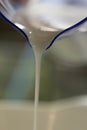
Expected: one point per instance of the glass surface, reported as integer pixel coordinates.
(64, 67)
(54, 15)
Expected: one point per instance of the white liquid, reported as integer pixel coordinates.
(38, 55)
(39, 40)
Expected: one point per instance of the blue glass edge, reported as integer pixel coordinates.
(56, 37)
(66, 30)
(11, 23)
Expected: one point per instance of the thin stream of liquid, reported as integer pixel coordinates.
(39, 40)
(38, 55)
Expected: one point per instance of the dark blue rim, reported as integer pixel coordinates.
(12, 24)
(68, 29)
(56, 37)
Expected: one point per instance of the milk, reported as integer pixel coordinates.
(39, 41)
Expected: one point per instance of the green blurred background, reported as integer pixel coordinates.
(63, 71)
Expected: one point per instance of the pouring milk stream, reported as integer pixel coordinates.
(41, 21)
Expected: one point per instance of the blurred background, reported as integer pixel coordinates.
(63, 70)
